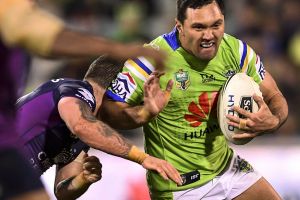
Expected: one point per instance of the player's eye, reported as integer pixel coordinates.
(198, 27)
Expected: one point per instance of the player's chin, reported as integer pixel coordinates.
(206, 54)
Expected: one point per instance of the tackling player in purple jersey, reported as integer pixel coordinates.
(46, 137)
(47, 140)
(57, 123)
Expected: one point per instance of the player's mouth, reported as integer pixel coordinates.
(207, 49)
(206, 45)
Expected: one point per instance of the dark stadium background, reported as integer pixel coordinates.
(270, 27)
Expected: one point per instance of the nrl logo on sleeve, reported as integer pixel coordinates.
(182, 79)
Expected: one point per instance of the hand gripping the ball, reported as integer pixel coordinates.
(253, 124)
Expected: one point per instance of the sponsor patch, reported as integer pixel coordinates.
(190, 177)
(243, 165)
(201, 111)
(123, 86)
(229, 73)
(197, 134)
(207, 78)
(247, 104)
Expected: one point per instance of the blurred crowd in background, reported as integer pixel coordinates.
(270, 27)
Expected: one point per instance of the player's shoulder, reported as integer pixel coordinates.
(72, 87)
(48, 87)
(234, 43)
(230, 41)
(67, 82)
(78, 89)
(239, 48)
(167, 42)
(60, 84)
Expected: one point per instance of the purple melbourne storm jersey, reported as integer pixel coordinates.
(13, 71)
(47, 139)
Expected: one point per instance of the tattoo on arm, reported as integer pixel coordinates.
(118, 142)
(86, 111)
(114, 142)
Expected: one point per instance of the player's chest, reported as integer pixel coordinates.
(197, 83)
(195, 79)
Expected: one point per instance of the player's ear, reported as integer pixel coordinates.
(179, 26)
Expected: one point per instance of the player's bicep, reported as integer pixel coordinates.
(69, 110)
(268, 87)
(73, 111)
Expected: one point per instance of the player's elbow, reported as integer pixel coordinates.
(79, 128)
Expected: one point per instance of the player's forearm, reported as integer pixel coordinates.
(100, 136)
(25, 25)
(279, 108)
(138, 116)
(123, 117)
(71, 188)
(71, 43)
(22, 23)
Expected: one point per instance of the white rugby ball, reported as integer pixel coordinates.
(237, 91)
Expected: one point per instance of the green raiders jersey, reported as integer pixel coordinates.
(186, 133)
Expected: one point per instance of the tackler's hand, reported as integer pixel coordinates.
(92, 169)
(163, 168)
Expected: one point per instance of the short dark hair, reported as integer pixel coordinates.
(183, 5)
(103, 71)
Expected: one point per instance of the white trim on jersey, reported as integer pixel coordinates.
(146, 63)
(134, 70)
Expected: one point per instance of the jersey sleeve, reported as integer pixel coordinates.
(79, 91)
(250, 62)
(128, 86)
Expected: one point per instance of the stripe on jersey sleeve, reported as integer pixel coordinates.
(246, 54)
(140, 67)
(243, 52)
(146, 63)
